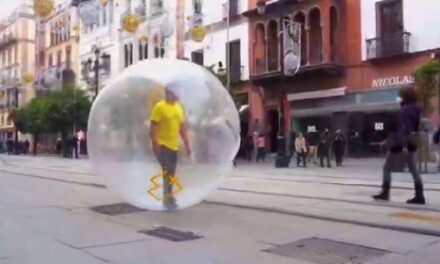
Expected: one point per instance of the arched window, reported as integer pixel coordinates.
(315, 45)
(301, 18)
(141, 51)
(260, 49)
(273, 46)
(334, 56)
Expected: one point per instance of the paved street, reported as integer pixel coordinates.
(254, 217)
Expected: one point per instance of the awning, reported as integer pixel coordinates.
(327, 111)
(317, 94)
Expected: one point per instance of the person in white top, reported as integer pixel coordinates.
(301, 149)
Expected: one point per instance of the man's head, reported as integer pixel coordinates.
(172, 92)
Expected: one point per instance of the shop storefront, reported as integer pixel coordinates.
(362, 116)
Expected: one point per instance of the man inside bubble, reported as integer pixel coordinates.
(167, 127)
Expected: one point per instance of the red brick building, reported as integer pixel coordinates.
(347, 80)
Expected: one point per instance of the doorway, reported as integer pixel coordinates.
(273, 123)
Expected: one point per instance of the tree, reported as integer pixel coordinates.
(31, 119)
(426, 82)
(67, 109)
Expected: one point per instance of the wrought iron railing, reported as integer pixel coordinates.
(388, 45)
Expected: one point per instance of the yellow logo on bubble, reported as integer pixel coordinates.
(173, 181)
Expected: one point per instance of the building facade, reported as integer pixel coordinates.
(354, 57)
(227, 32)
(99, 43)
(57, 46)
(17, 59)
(158, 35)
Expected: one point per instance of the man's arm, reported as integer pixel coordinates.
(153, 134)
(184, 136)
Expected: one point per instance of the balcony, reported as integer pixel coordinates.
(392, 45)
(7, 40)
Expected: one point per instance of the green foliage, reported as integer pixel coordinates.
(31, 118)
(426, 81)
(59, 112)
(68, 108)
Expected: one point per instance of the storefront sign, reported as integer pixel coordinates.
(393, 81)
(378, 126)
(311, 129)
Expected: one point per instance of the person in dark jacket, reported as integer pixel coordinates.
(339, 147)
(324, 148)
(249, 147)
(402, 142)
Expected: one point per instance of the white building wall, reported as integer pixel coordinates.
(151, 25)
(214, 44)
(421, 18)
(105, 37)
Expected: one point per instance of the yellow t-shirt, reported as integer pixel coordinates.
(169, 118)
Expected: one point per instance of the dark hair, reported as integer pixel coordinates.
(409, 95)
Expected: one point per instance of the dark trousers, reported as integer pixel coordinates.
(261, 154)
(301, 156)
(326, 156)
(168, 161)
(339, 155)
(391, 163)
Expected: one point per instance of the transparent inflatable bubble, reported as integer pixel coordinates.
(121, 148)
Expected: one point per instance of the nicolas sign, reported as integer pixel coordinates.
(393, 81)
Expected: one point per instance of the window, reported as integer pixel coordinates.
(50, 62)
(141, 51)
(260, 50)
(197, 57)
(146, 51)
(104, 15)
(156, 6)
(162, 47)
(15, 54)
(68, 54)
(389, 28)
(389, 14)
(197, 6)
(59, 53)
(273, 46)
(234, 61)
(128, 54)
(131, 54)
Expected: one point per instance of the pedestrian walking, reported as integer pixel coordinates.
(339, 147)
(324, 148)
(301, 150)
(10, 146)
(313, 140)
(402, 146)
(74, 143)
(261, 148)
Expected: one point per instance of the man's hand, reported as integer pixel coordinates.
(187, 150)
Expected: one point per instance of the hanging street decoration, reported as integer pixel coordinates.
(43, 8)
(89, 13)
(130, 23)
(198, 31)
